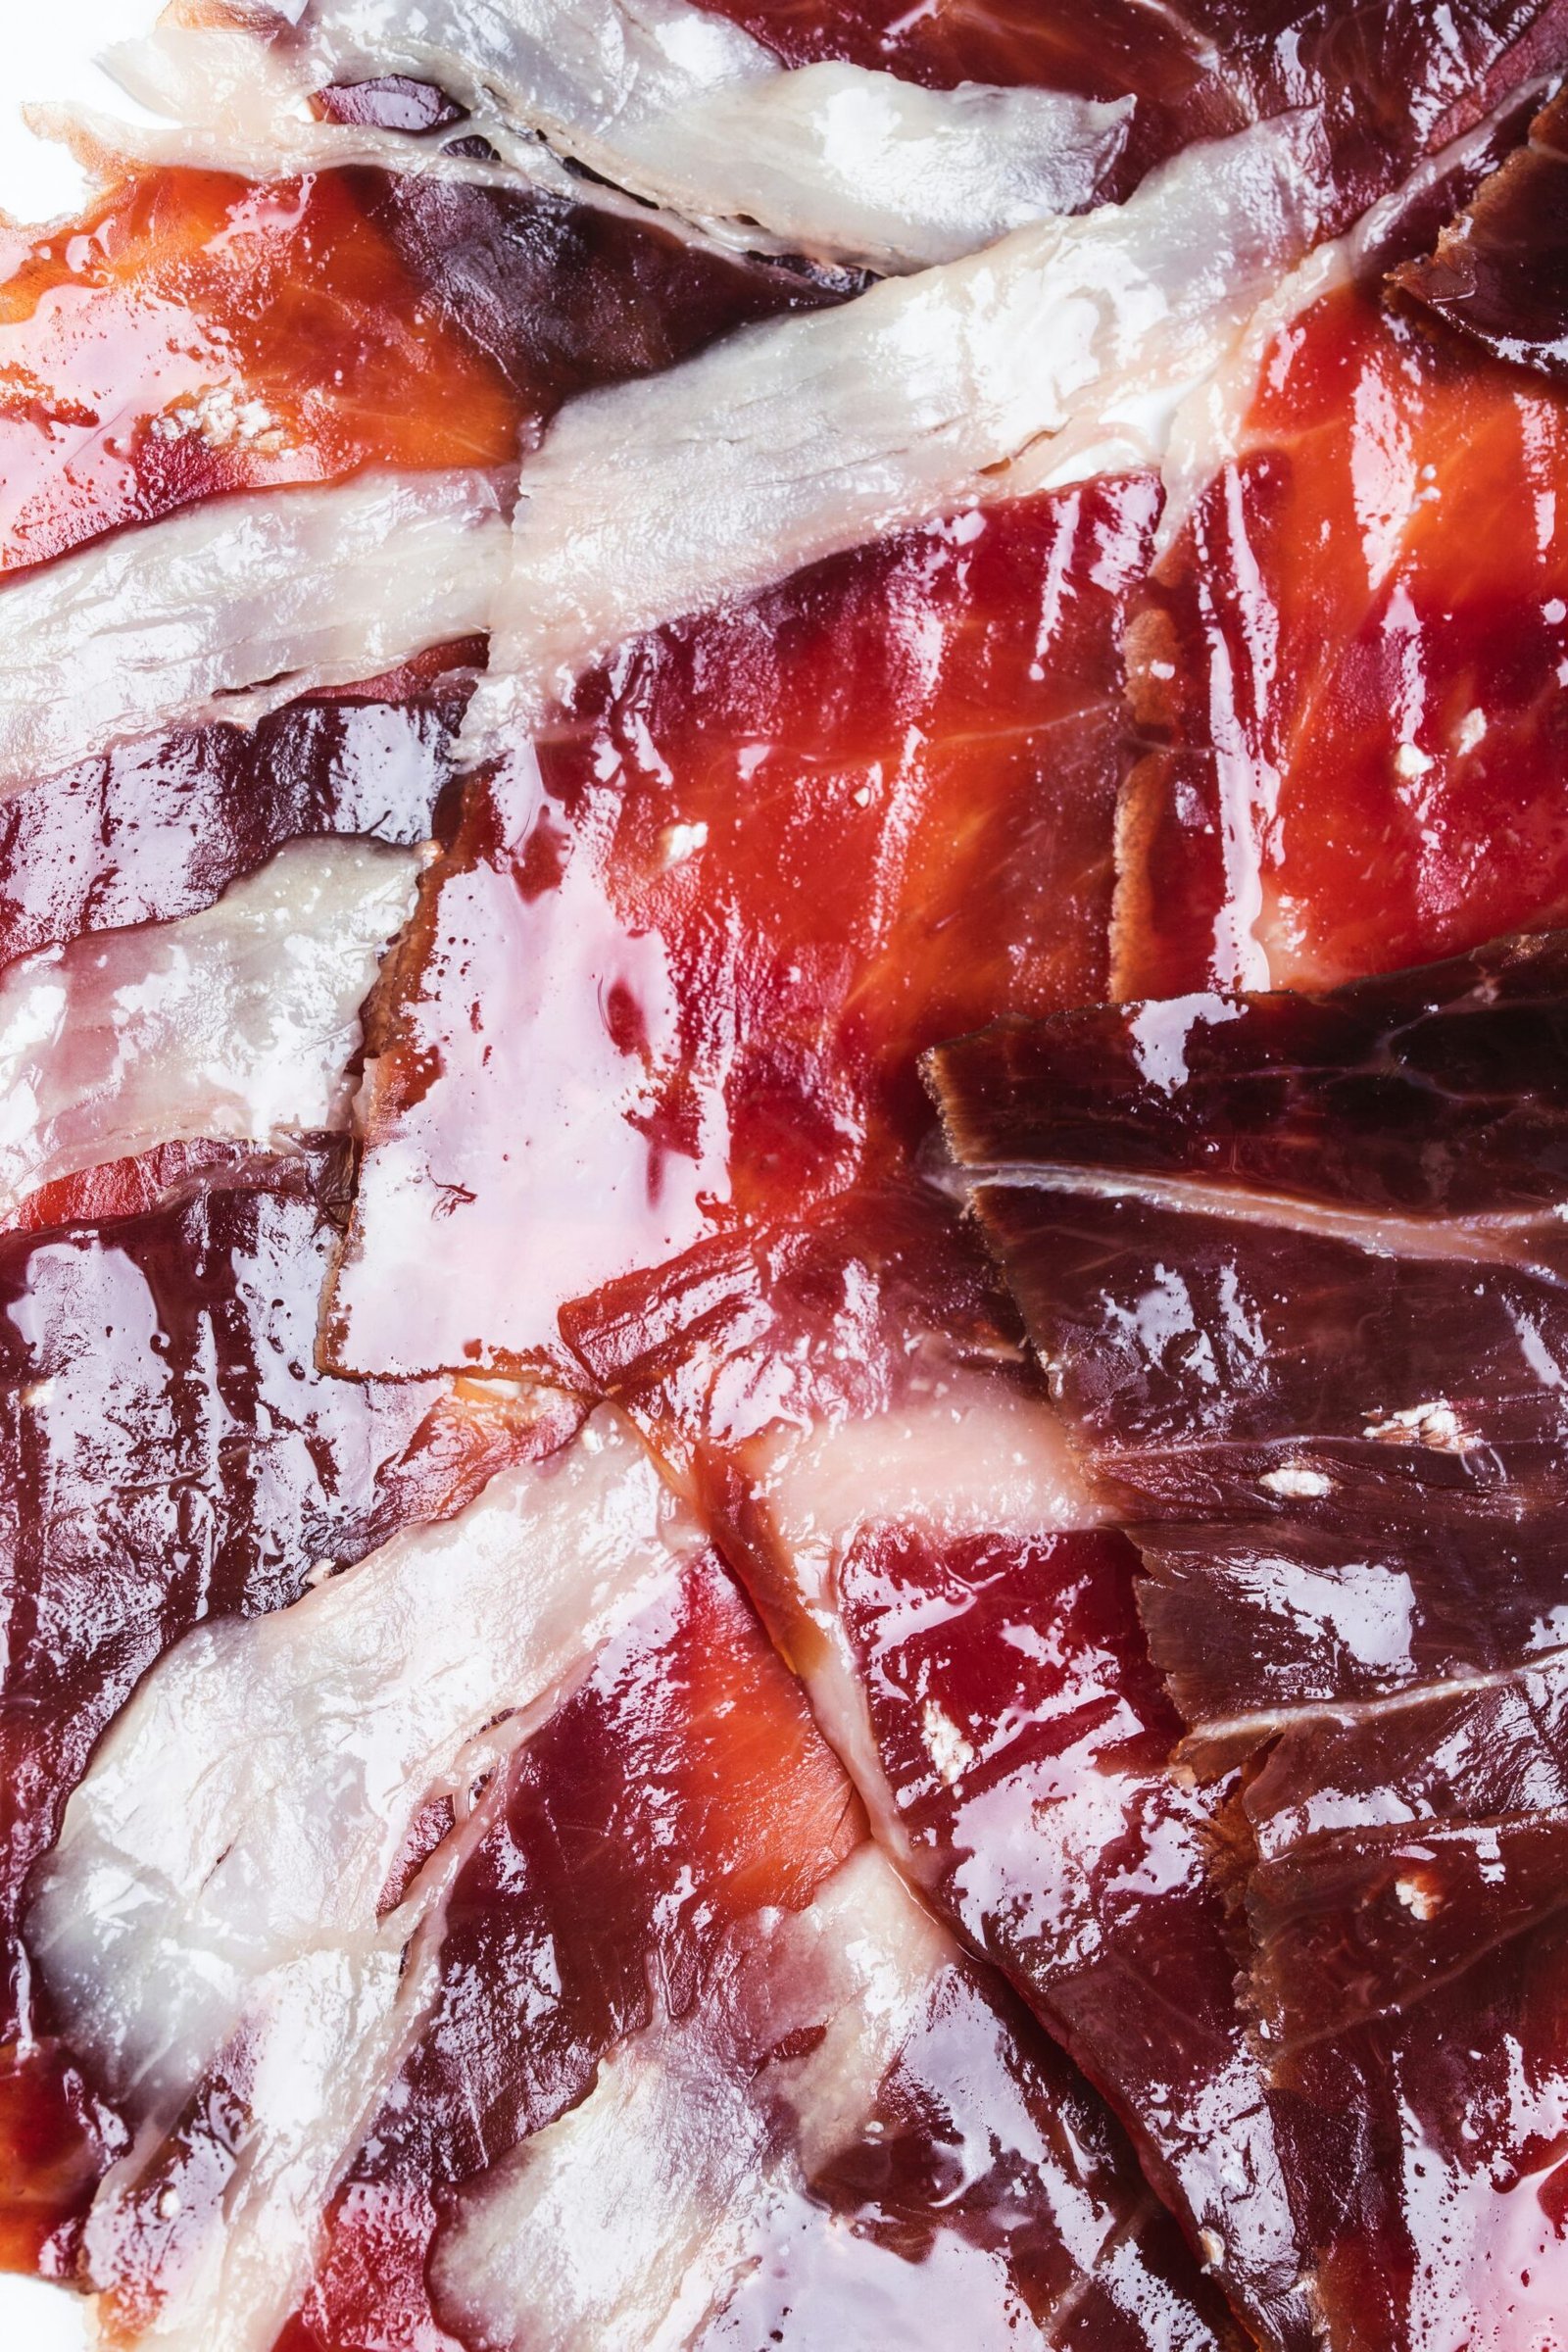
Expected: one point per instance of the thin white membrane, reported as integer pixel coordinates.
(213, 1898)
(669, 103)
(236, 1023)
(236, 605)
(1063, 350)
(628, 2221)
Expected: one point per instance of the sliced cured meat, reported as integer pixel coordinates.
(678, 966)
(1295, 1265)
(210, 1923)
(849, 1406)
(160, 828)
(194, 334)
(1500, 273)
(1384, 80)
(1059, 353)
(236, 1023)
(677, 107)
(170, 1455)
(238, 606)
(1346, 674)
(688, 2078)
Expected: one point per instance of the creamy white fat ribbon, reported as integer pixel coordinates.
(663, 100)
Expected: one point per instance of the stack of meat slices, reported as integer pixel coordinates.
(783, 1156)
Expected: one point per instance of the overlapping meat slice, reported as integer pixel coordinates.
(967, 121)
(661, 103)
(196, 334)
(1295, 1265)
(511, 1861)
(1346, 674)
(171, 1456)
(848, 1404)
(674, 972)
(1500, 273)
(1386, 78)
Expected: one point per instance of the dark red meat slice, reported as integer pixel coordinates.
(846, 1404)
(1389, 79)
(674, 974)
(162, 827)
(172, 1455)
(1500, 273)
(638, 1838)
(197, 334)
(1297, 1268)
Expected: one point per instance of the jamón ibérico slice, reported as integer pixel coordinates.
(1295, 1266)
(173, 1456)
(848, 1404)
(1344, 673)
(675, 969)
(698, 2069)
(1386, 80)
(160, 828)
(196, 334)
(1500, 273)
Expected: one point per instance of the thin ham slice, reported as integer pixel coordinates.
(1296, 1266)
(195, 334)
(238, 605)
(848, 1404)
(675, 969)
(699, 2069)
(679, 109)
(1384, 82)
(172, 1455)
(225, 1954)
(1500, 273)
(238, 1023)
(160, 828)
(1060, 351)
(1344, 673)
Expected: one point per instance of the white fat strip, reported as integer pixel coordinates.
(673, 105)
(624, 2223)
(219, 1869)
(236, 1023)
(809, 435)
(237, 605)
(962, 1454)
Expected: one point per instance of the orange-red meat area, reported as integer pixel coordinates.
(676, 971)
(1347, 678)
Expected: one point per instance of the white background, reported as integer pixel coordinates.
(48, 49)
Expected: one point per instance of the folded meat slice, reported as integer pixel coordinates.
(667, 102)
(236, 1023)
(1345, 673)
(677, 967)
(195, 334)
(848, 1404)
(697, 2062)
(172, 1455)
(1297, 1268)
(238, 605)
